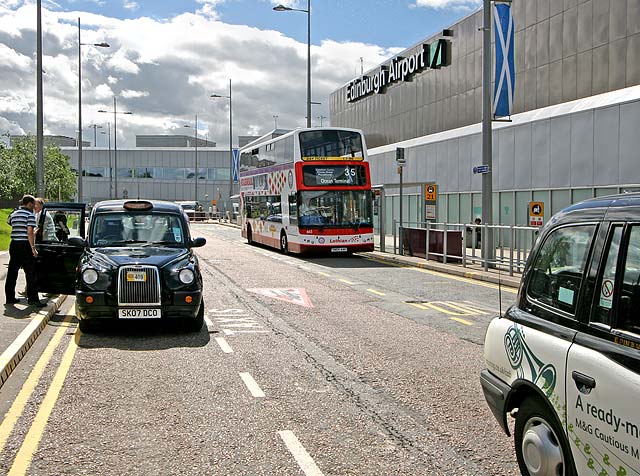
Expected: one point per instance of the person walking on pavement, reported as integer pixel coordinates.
(22, 252)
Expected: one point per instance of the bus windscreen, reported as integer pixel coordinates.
(347, 208)
(334, 175)
(328, 144)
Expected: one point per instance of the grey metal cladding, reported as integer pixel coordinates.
(629, 140)
(569, 78)
(633, 60)
(584, 65)
(633, 17)
(555, 38)
(540, 155)
(617, 64)
(582, 149)
(542, 85)
(600, 80)
(570, 32)
(543, 9)
(617, 19)
(606, 132)
(585, 26)
(600, 22)
(506, 153)
(522, 166)
(542, 43)
(530, 47)
(560, 148)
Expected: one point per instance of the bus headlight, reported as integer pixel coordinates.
(89, 276)
(186, 276)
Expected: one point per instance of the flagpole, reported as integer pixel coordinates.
(488, 250)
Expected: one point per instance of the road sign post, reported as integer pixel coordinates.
(401, 161)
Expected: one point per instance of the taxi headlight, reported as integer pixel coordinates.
(186, 276)
(89, 276)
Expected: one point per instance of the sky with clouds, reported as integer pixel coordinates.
(166, 58)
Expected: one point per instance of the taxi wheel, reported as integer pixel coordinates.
(541, 447)
(85, 326)
(284, 243)
(195, 324)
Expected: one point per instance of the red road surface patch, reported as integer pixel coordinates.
(293, 295)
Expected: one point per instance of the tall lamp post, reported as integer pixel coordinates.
(115, 143)
(80, 45)
(282, 8)
(39, 114)
(95, 128)
(230, 137)
(195, 132)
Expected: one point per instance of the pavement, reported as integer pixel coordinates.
(20, 324)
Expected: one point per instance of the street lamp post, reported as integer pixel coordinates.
(230, 137)
(195, 132)
(39, 113)
(95, 127)
(282, 8)
(80, 45)
(115, 143)
(321, 117)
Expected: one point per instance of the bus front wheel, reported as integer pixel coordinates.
(284, 243)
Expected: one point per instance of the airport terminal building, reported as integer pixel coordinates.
(575, 130)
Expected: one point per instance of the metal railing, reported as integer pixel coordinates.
(461, 242)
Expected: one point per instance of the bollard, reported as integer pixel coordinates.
(513, 244)
(444, 246)
(426, 246)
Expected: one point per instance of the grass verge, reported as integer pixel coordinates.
(5, 230)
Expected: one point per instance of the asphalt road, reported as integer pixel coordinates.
(373, 372)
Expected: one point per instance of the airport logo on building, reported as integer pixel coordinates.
(434, 56)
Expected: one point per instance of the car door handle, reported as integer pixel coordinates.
(584, 383)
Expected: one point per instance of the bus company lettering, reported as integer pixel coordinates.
(400, 68)
(246, 182)
(338, 240)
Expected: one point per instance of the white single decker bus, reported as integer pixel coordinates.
(309, 189)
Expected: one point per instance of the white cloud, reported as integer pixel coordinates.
(130, 94)
(102, 92)
(441, 4)
(130, 5)
(165, 70)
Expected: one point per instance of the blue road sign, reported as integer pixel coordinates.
(481, 169)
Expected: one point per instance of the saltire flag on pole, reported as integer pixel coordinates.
(505, 79)
(236, 164)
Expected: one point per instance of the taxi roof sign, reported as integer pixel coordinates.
(137, 205)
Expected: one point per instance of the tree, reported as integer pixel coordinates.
(18, 171)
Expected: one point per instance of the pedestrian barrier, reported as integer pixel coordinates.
(467, 243)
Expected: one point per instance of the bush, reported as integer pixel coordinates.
(5, 230)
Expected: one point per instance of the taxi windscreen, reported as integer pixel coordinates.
(121, 229)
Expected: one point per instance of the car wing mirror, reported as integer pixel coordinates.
(198, 242)
(77, 242)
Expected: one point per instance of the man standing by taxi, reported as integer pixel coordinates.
(22, 252)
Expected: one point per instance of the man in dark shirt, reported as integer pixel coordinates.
(22, 252)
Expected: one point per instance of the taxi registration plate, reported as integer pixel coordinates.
(136, 276)
(139, 313)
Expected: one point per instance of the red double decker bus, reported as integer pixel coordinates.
(309, 189)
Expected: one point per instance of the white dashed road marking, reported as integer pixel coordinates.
(224, 345)
(304, 460)
(251, 384)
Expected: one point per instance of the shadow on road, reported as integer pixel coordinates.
(142, 336)
(343, 261)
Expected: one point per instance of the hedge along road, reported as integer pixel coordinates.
(270, 387)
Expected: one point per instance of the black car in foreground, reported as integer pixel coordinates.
(136, 262)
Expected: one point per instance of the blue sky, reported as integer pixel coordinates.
(386, 23)
(167, 57)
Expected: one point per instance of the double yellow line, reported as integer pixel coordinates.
(32, 440)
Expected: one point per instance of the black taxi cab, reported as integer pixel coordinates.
(565, 359)
(136, 261)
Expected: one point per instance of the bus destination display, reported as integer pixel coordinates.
(334, 175)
